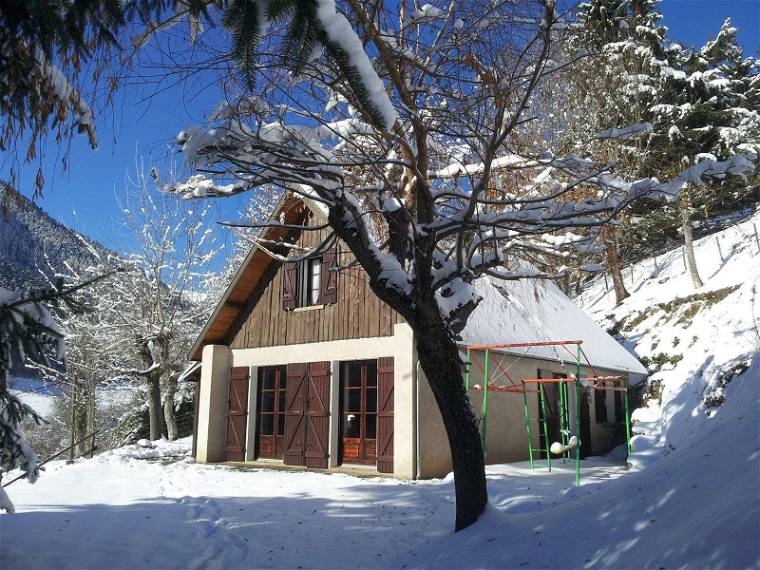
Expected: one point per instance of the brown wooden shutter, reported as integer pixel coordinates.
(385, 415)
(295, 408)
(318, 416)
(289, 286)
(236, 414)
(329, 277)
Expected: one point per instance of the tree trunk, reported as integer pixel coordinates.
(439, 358)
(79, 417)
(154, 407)
(613, 261)
(688, 237)
(171, 420)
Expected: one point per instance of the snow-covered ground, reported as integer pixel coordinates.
(42, 396)
(692, 502)
(148, 508)
(153, 508)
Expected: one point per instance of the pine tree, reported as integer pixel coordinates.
(702, 114)
(614, 87)
(26, 331)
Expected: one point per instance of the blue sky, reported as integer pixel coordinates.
(84, 197)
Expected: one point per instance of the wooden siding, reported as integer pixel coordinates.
(358, 312)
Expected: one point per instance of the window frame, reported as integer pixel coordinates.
(309, 282)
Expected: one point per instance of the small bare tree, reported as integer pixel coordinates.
(168, 274)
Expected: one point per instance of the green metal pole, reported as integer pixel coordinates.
(484, 434)
(546, 429)
(578, 414)
(527, 426)
(627, 420)
(467, 372)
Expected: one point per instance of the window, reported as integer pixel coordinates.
(310, 273)
(310, 282)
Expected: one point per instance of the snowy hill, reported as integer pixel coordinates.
(694, 341)
(29, 239)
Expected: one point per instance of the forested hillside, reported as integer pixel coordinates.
(33, 245)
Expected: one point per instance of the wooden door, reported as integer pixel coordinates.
(359, 412)
(237, 413)
(318, 415)
(307, 424)
(295, 408)
(385, 415)
(270, 420)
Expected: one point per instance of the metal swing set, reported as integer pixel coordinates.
(569, 443)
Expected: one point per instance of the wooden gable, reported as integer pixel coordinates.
(251, 312)
(355, 313)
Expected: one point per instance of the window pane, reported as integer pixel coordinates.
(267, 424)
(371, 400)
(354, 375)
(268, 378)
(353, 400)
(371, 426)
(351, 425)
(281, 403)
(281, 424)
(315, 268)
(267, 401)
(372, 374)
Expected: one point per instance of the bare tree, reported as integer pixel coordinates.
(412, 195)
(168, 274)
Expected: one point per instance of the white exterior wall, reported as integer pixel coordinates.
(214, 401)
(507, 438)
(400, 346)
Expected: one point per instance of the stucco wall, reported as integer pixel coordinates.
(400, 346)
(212, 408)
(507, 439)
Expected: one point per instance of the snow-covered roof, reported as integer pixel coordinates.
(532, 310)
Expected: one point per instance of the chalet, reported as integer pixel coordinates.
(303, 365)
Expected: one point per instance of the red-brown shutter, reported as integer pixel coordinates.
(318, 416)
(329, 277)
(289, 286)
(295, 408)
(385, 415)
(237, 411)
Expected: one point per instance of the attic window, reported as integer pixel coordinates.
(310, 282)
(309, 272)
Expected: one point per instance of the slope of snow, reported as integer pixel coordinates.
(531, 310)
(696, 508)
(695, 340)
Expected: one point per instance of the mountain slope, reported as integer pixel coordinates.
(33, 245)
(692, 499)
(694, 341)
